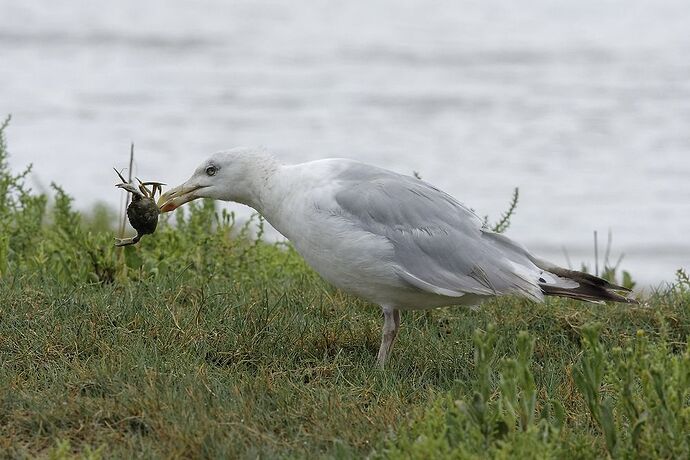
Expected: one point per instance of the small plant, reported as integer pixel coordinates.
(21, 212)
(479, 410)
(504, 222)
(518, 390)
(63, 450)
(588, 377)
(499, 421)
(651, 408)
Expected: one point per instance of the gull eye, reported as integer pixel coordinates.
(211, 170)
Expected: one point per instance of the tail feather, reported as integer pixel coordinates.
(589, 288)
(559, 281)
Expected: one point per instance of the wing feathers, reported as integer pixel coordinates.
(440, 245)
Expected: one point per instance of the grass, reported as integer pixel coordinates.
(202, 342)
(167, 368)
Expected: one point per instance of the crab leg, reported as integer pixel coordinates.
(157, 187)
(124, 181)
(144, 190)
(130, 188)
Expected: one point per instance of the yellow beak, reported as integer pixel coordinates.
(176, 197)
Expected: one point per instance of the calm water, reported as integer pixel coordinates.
(584, 106)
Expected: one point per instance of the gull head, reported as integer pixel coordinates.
(233, 175)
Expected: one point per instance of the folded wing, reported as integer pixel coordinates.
(440, 245)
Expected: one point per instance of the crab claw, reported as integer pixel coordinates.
(120, 242)
(154, 183)
(130, 188)
(157, 187)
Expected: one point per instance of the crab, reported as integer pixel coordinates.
(143, 211)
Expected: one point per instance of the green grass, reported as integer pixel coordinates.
(202, 342)
(166, 367)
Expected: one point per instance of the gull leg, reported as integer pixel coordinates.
(391, 324)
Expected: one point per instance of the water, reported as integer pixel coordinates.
(583, 105)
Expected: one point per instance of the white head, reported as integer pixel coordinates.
(234, 175)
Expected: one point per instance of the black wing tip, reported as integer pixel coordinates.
(588, 294)
(590, 288)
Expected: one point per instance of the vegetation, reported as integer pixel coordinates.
(205, 342)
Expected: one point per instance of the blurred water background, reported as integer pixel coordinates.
(584, 105)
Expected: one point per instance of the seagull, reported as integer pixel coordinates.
(394, 240)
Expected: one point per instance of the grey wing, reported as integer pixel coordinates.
(439, 244)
